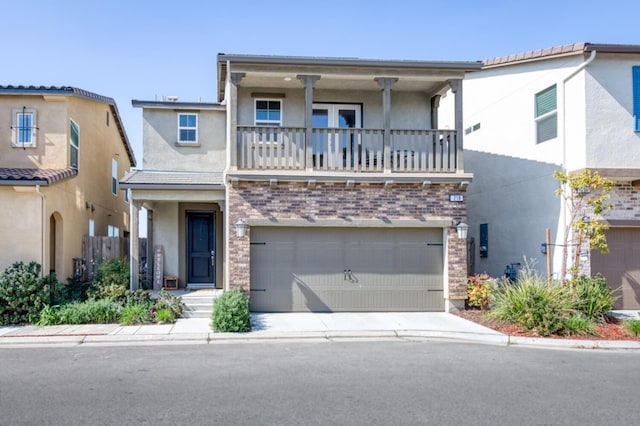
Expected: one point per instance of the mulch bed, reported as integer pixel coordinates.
(609, 331)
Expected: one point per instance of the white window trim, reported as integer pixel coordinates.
(92, 228)
(15, 131)
(180, 141)
(114, 177)
(73, 123)
(275, 123)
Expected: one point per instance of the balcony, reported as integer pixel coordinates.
(347, 150)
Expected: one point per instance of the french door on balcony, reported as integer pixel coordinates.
(331, 147)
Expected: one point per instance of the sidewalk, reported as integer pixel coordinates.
(309, 327)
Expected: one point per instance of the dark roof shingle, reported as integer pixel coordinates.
(29, 176)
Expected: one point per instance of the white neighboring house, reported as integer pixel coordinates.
(571, 107)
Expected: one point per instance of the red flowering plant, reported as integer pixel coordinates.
(480, 288)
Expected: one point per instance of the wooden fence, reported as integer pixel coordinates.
(95, 249)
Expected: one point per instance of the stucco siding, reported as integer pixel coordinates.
(22, 214)
(160, 137)
(611, 140)
(165, 233)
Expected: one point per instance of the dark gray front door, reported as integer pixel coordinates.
(200, 249)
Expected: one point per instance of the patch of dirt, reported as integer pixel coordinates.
(609, 331)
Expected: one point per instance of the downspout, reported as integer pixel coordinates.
(579, 68)
(43, 238)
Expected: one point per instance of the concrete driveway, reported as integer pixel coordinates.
(365, 321)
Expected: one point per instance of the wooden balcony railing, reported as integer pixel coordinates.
(347, 150)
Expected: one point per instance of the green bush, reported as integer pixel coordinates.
(168, 301)
(102, 311)
(116, 292)
(134, 314)
(579, 325)
(111, 272)
(165, 315)
(140, 297)
(632, 326)
(231, 312)
(22, 293)
(533, 304)
(593, 298)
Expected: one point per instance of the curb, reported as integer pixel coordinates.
(573, 344)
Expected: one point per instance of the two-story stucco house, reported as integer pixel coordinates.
(569, 108)
(62, 152)
(316, 184)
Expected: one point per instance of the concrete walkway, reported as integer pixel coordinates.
(288, 327)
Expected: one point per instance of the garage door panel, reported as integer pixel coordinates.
(621, 266)
(327, 270)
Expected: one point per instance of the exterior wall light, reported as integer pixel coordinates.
(241, 228)
(462, 229)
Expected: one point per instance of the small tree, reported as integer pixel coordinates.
(586, 196)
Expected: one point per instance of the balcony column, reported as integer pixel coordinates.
(134, 245)
(386, 83)
(309, 82)
(456, 88)
(232, 117)
(435, 104)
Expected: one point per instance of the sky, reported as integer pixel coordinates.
(146, 49)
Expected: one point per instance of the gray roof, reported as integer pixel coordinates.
(161, 179)
(559, 51)
(78, 93)
(32, 176)
(177, 105)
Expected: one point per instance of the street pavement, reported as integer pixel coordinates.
(293, 326)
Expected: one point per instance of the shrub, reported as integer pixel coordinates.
(165, 315)
(111, 272)
(533, 304)
(22, 294)
(593, 298)
(231, 312)
(139, 297)
(632, 326)
(166, 300)
(75, 290)
(578, 324)
(90, 312)
(134, 314)
(480, 290)
(116, 292)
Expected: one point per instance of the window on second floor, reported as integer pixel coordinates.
(546, 114)
(636, 98)
(23, 126)
(268, 112)
(113, 231)
(74, 145)
(187, 128)
(114, 176)
(92, 228)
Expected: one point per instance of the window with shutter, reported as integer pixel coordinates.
(546, 114)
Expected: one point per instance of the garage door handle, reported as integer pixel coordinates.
(345, 274)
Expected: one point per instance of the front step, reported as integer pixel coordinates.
(199, 303)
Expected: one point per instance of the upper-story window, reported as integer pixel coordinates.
(114, 176)
(546, 114)
(23, 125)
(74, 145)
(187, 128)
(636, 98)
(268, 112)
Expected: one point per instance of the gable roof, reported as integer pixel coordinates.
(559, 51)
(31, 176)
(77, 93)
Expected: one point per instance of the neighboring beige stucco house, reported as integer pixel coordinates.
(62, 153)
(316, 184)
(570, 108)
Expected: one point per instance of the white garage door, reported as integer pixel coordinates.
(346, 269)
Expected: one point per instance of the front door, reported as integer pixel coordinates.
(201, 254)
(337, 116)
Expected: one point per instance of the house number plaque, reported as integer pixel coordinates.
(456, 198)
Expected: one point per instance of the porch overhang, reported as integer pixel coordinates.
(288, 176)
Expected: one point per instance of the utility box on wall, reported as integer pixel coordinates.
(484, 240)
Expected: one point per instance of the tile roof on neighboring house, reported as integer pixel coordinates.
(78, 93)
(154, 179)
(559, 51)
(28, 176)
